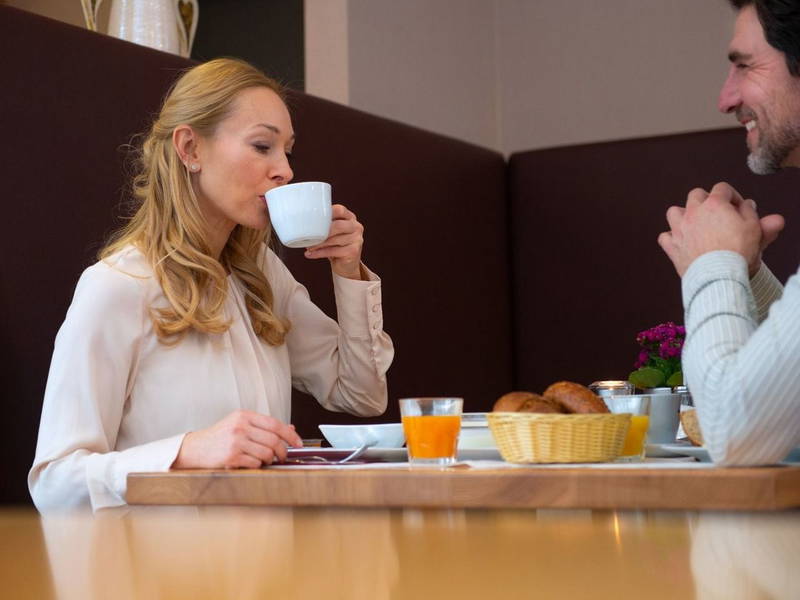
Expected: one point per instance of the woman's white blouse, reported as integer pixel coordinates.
(118, 401)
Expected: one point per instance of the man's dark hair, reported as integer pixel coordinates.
(781, 22)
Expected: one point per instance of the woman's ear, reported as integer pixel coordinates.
(184, 140)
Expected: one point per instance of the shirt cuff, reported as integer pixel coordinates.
(766, 290)
(716, 282)
(107, 474)
(711, 267)
(358, 304)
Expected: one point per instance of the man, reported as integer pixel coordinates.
(743, 367)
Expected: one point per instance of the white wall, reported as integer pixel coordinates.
(326, 41)
(514, 74)
(609, 69)
(522, 74)
(68, 11)
(431, 64)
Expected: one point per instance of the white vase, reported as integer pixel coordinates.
(155, 23)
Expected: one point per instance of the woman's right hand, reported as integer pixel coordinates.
(242, 439)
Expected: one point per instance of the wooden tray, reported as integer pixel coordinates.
(769, 488)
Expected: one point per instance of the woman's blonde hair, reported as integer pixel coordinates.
(169, 228)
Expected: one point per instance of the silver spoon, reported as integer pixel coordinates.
(356, 453)
(324, 461)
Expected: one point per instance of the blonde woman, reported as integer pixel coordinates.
(182, 343)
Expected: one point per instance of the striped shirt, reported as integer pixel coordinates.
(741, 359)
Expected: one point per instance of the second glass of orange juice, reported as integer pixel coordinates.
(431, 426)
(634, 446)
(636, 438)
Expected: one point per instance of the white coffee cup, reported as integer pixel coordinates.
(301, 213)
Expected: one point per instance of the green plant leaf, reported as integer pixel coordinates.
(675, 379)
(646, 377)
(661, 364)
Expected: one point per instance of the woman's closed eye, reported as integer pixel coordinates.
(262, 148)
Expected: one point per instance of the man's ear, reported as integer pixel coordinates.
(185, 141)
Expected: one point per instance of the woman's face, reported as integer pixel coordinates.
(247, 156)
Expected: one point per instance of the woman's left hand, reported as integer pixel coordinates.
(344, 243)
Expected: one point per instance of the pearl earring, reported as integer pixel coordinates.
(195, 167)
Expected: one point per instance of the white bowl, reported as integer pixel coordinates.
(475, 432)
(385, 435)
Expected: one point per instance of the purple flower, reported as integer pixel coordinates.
(669, 349)
(647, 337)
(665, 331)
(664, 342)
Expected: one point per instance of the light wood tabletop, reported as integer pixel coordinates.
(771, 488)
(259, 552)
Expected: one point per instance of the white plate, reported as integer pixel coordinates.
(388, 454)
(370, 454)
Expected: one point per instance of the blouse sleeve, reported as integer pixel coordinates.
(343, 365)
(90, 373)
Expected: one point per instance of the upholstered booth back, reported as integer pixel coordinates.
(70, 99)
(434, 210)
(588, 274)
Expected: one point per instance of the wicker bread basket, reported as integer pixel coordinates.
(550, 438)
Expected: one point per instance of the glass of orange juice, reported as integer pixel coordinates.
(431, 426)
(633, 450)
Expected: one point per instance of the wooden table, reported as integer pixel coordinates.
(770, 488)
(201, 553)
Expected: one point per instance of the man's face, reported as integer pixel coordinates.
(764, 96)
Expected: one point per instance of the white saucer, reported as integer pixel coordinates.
(683, 448)
(686, 449)
(668, 450)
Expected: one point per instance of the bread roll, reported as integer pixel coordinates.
(540, 404)
(575, 398)
(512, 401)
(691, 426)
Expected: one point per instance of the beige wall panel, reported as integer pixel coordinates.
(326, 49)
(513, 74)
(581, 71)
(68, 11)
(522, 74)
(429, 63)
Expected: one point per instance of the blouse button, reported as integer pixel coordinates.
(376, 307)
(374, 291)
(376, 326)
